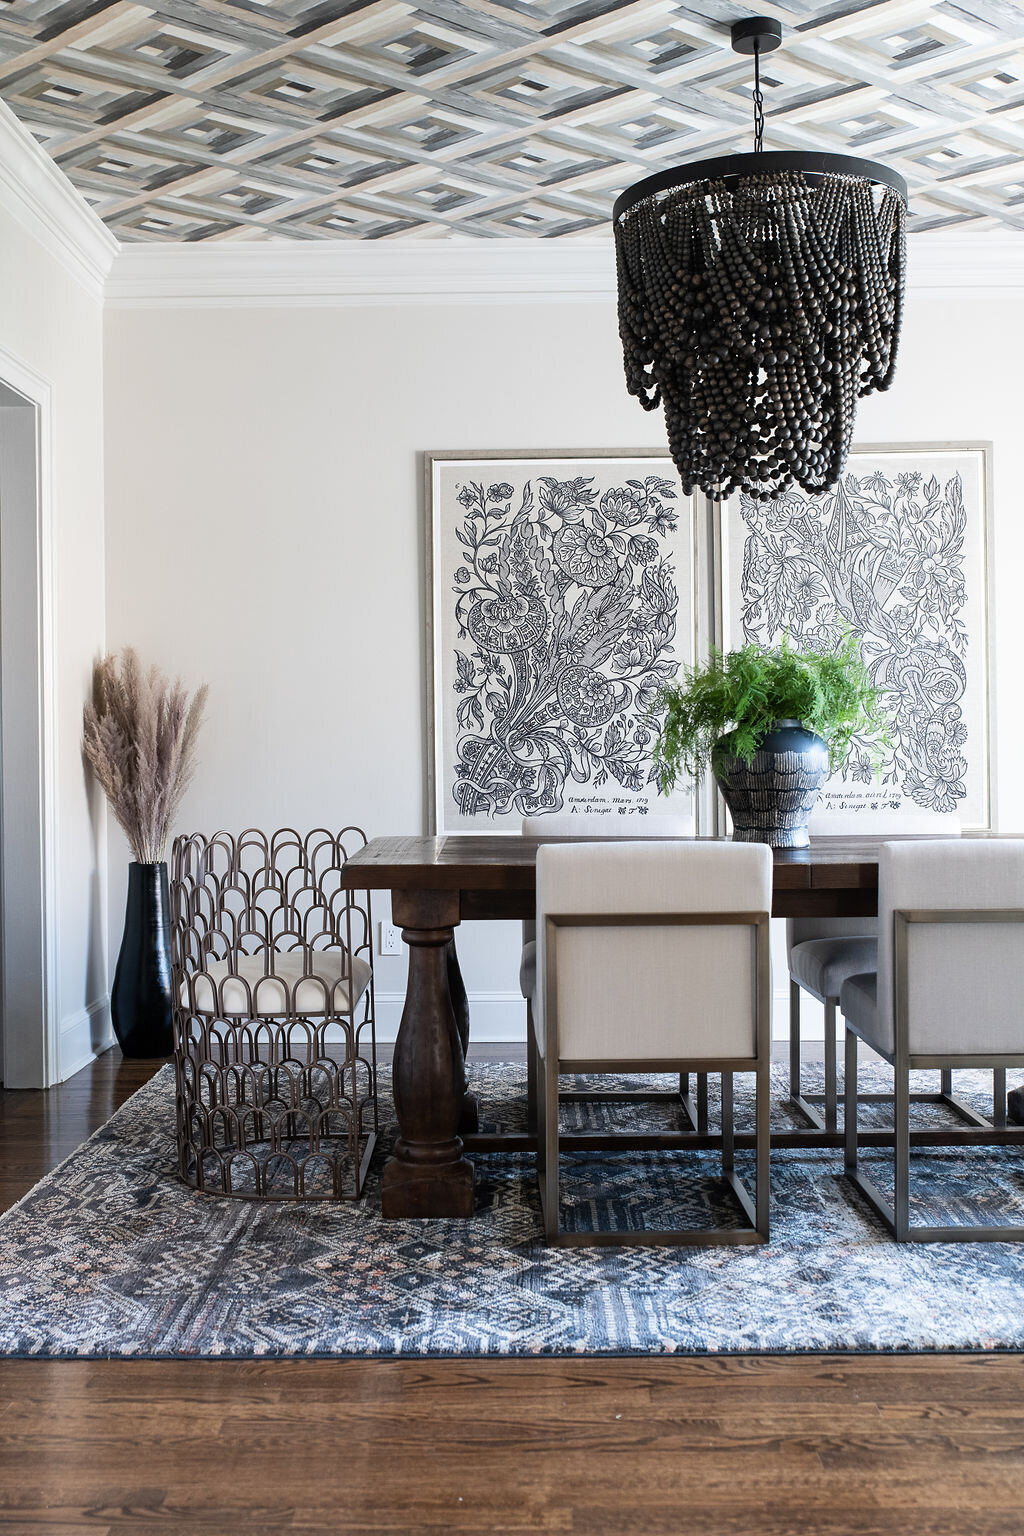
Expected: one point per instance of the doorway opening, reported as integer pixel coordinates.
(28, 1043)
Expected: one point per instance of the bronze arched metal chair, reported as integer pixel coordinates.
(274, 1036)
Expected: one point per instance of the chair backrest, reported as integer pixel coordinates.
(634, 992)
(800, 929)
(879, 824)
(964, 979)
(592, 825)
(257, 893)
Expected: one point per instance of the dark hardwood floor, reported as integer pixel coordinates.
(842, 1446)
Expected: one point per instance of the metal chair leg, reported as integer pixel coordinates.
(901, 1190)
(531, 1071)
(702, 1103)
(540, 1083)
(728, 1135)
(830, 1064)
(547, 1080)
(763, 1173)
(859, 1180)
(850, 1102)
(804, 1106)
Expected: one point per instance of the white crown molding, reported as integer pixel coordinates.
(992, 259)
(286, 273)
(39, 196)
(290, 272)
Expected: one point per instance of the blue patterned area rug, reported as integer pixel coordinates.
(111, 1256)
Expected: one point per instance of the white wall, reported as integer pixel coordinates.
(51, 325)
(264, 527)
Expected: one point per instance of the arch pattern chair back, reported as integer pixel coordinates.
(274, 1032)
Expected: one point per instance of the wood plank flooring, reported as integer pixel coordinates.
(841, 1446)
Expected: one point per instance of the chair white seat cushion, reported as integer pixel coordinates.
(247, 988)
(822, 965)
(858, 1000)
(528, 969)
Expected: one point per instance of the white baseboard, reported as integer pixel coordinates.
(83, 1036)
(497, 1017)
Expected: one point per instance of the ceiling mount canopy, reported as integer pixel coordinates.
(760, 295)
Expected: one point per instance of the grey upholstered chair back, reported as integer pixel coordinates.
(639, 991)
(964, 981)
(799, 930)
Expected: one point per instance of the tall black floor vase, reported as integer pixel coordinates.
(140, 1003)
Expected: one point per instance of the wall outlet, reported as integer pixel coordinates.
(390, 939)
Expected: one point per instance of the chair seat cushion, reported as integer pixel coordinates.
(822, 965)
(528, 969)
(858, 1002)
(248, 989)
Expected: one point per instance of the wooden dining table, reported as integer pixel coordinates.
(436, 883)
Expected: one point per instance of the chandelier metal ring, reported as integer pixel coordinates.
(812, 164)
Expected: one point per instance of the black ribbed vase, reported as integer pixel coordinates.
(771, 798)
(140, 1002)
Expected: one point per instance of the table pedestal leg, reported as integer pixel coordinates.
(469, 1121)
(428, 1174)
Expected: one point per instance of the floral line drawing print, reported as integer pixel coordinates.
(884, 556)
(566, 609)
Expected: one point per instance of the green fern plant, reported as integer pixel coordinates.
(724, 708)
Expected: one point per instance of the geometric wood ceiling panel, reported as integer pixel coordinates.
(316, 119)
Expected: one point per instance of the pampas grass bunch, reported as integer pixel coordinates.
(140, 737)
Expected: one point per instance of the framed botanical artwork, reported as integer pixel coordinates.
(561, 596)
(897, 553)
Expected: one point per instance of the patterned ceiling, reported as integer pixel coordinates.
(227, 119)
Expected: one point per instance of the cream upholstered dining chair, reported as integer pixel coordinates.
(823, 952)
(591, 826)
(274, 1043)
(654, 957)
(946, 994)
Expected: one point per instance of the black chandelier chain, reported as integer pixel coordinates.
(758, 101)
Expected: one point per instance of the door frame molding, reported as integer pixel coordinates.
(44, 917)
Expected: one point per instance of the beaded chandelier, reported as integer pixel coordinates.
(759, 296)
